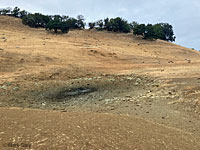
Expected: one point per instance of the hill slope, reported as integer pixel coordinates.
(106, 76)
(97, 51)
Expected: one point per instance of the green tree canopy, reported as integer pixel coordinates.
(139, 29)
(15, 12)
(149, 32)
(57, 24)
(163, 31)
(114, 24)
(92, 25)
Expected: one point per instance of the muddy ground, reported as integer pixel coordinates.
(155, 99)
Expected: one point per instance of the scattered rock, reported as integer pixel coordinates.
(111, 80)
(16, 88)
(4, 87)
(136, 83)
(170, 62)
(43, 104)
(64, 111)
(128, 96)
(112, 108)
(170, 93)
(9, 83)
(138, 80)
(108, 101)
(129, 78)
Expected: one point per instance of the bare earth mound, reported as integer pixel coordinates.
(109, 90)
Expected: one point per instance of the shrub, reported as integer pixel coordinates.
(91, 25)
(80, 22)
(15, 12)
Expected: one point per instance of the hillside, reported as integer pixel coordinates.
(116, 81)
(97, 51)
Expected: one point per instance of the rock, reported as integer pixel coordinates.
(138, 80)
(170, 93)
(1, 49)
(112, 108)
(170, 62)
(129, 78)
(16, 88)
(111, 80)
(128, 96)
(9, 83)
(136, 83)
(43, 104)
(88, 79)
(108, 101)
(3, 87)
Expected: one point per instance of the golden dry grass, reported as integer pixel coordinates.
(29, 51)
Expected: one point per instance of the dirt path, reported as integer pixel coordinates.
(34, 129)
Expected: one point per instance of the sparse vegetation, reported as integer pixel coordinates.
(163, 31)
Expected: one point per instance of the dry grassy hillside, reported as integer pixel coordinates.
(27, 50)
(130, 79)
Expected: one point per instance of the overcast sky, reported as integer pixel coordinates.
(184, 15)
